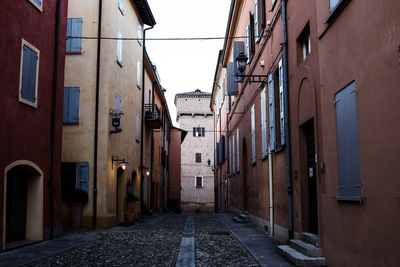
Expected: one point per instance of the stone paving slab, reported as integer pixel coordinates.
(262, 247)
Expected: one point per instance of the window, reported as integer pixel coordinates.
(253, 134)
(276, 113)
(71, 105)
(198, 157)
(119, 48)
(74, 34)
(198, 131)
(37, 3)
(29, 74)
(333, 4)
(121, 4)
(139, 74)
(237, 150)
(138, 129)
(347, 142)
(117, 103)
(140, 33)
(199, 181)
(74, 175)
(263, 104)
(304, 43)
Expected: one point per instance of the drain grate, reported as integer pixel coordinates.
(219, 233)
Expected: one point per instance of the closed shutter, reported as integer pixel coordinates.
(347, 142)
(281, 104)
(29, 73)
(71, 105)
(238, 48)
(217, 153)
(231, 78)
(82, 176)
(253, 134)
(263, 104)
(194, 131)
(252, 33)
(237, 150)
(271, 112)
(203, 132)
(256, 22)
(333, 4)
(38, 2)
(261, 15)
(74, 29)
(223, 147)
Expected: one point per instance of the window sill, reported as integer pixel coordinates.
(74, 53)
(334, 14)
(40, 8)
(336, 11)
(264, 157)
(359, 200)
(28, 102)
(70, 123)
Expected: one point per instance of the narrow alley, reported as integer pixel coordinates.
(155, 241)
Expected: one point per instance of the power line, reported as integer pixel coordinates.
(163, 39)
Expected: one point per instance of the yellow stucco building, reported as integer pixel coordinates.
(103, 107)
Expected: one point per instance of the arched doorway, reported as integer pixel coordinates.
(23, 203)
(245, 177)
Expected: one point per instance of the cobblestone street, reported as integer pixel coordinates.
(157, 243)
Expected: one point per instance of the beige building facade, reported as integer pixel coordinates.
(102, 107)
(197, 156)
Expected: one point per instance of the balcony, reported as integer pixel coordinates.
(152, 116)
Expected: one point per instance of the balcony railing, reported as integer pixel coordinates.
(152, 116)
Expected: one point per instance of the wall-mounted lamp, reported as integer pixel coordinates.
(119, 162)
(241, 61)
(147, 173)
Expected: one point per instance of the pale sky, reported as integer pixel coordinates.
(184, 66)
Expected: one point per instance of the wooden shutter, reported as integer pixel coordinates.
(238, 48)
(66, 104)
(217, 153)
(232, 85)
(203, 132)
(82, 176)
(261, 15)
(29, 73)
(76, 28)
(253, 133)
(256, 20)
(347, 142)
(117, 103)
(74, 93)
(38, 2)
(194, 131)
(251, 39)
(271, 112)
(69, 34)
(222, 141)
(281, 104)
(333, 4)
(263, 104)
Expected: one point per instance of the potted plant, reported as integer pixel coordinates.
(130, 214)
(77, 199)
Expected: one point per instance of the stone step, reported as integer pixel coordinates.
(244, 216)
(311, 239)
(305, 248)
(299, 259)
(240, 219)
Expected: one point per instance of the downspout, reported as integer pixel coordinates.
(220, 131)
(271, 193)
(287, 124)
(53, 114)
(215, 169)
(96, 123)
(142, 123)
(162, 182)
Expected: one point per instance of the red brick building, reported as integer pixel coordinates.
(32, 49)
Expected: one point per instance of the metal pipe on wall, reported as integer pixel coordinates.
(271, 193)
(287, 124)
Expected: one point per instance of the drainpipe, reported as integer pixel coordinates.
(53, 114)
(271, 193)
(287, 125)
(96, 123)
(142, 123)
